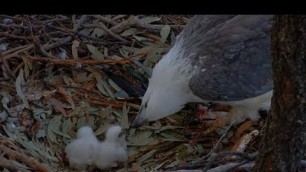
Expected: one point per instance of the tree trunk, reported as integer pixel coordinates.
(281, 148)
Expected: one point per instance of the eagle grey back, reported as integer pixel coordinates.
(231, 56)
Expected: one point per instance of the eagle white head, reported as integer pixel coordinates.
(168, 89)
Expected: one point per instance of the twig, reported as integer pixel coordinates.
(60, 42)
(241, 154)
(118, 17)
(105, 19)
(98, 40)
(6, 69)
(78, 25)
(230, 167)
(23, 158)
(44, 52)
(151, 36)
(124, 25)
(17, 68)
(156, 27)
(108, 31)
(4, 34)
(14, 52)
(81, 61)
(134, 21)
(9, 165)
(211, 154)
(237, 165)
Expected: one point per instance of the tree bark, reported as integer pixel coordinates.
(281, 148)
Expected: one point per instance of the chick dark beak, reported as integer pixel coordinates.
(123, 132)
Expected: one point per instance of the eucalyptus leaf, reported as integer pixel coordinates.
(129, 32)
(97, 32)
(121, 94)
(164, 33)
(102, 89)
(149, 19)
(85, 31)
(54, 124)
(114, 85)
(27, 67)
(167, 127)
(141, 139)
(107, 88)
(68, 81)
(141, 38)
(19, 88)
(169, 137)
(6, 98)
(102, 129)
(130, 49)
(40, 134)
(67, 127)
(124, 119)
(146, 156)
(95, 53)
(146, 69)
(74, 49)
(81, 122)
(3, 116)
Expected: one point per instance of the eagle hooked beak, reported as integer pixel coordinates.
(139, 120)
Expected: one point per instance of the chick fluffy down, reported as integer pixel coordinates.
(81, 151)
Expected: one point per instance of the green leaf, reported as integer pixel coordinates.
(107, 88)
(129, 32)
(146, 156)
(67, 127)
(54, 124)
(114, 85)
(74, 49)
(124, 119)
(167, 127)
(19, 85)
(97, 32)
(142, 139)
(95, 53)
(164, 33)
(141, 38)
(68, 81)
(102, 129)
(6, 98)
(121, 95)
(100, 83)
(40, 133)
(149, 19)
(27, 67)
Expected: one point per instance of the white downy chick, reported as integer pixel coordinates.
(113, 149)
(81, 151)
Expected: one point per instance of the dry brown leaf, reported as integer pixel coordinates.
(242, 143)
(57, 105)
(89, 85)
(74, 49)
(246, 125)
(66, 95)
(135, 167)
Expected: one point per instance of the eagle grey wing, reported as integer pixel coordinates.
(234, 60)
